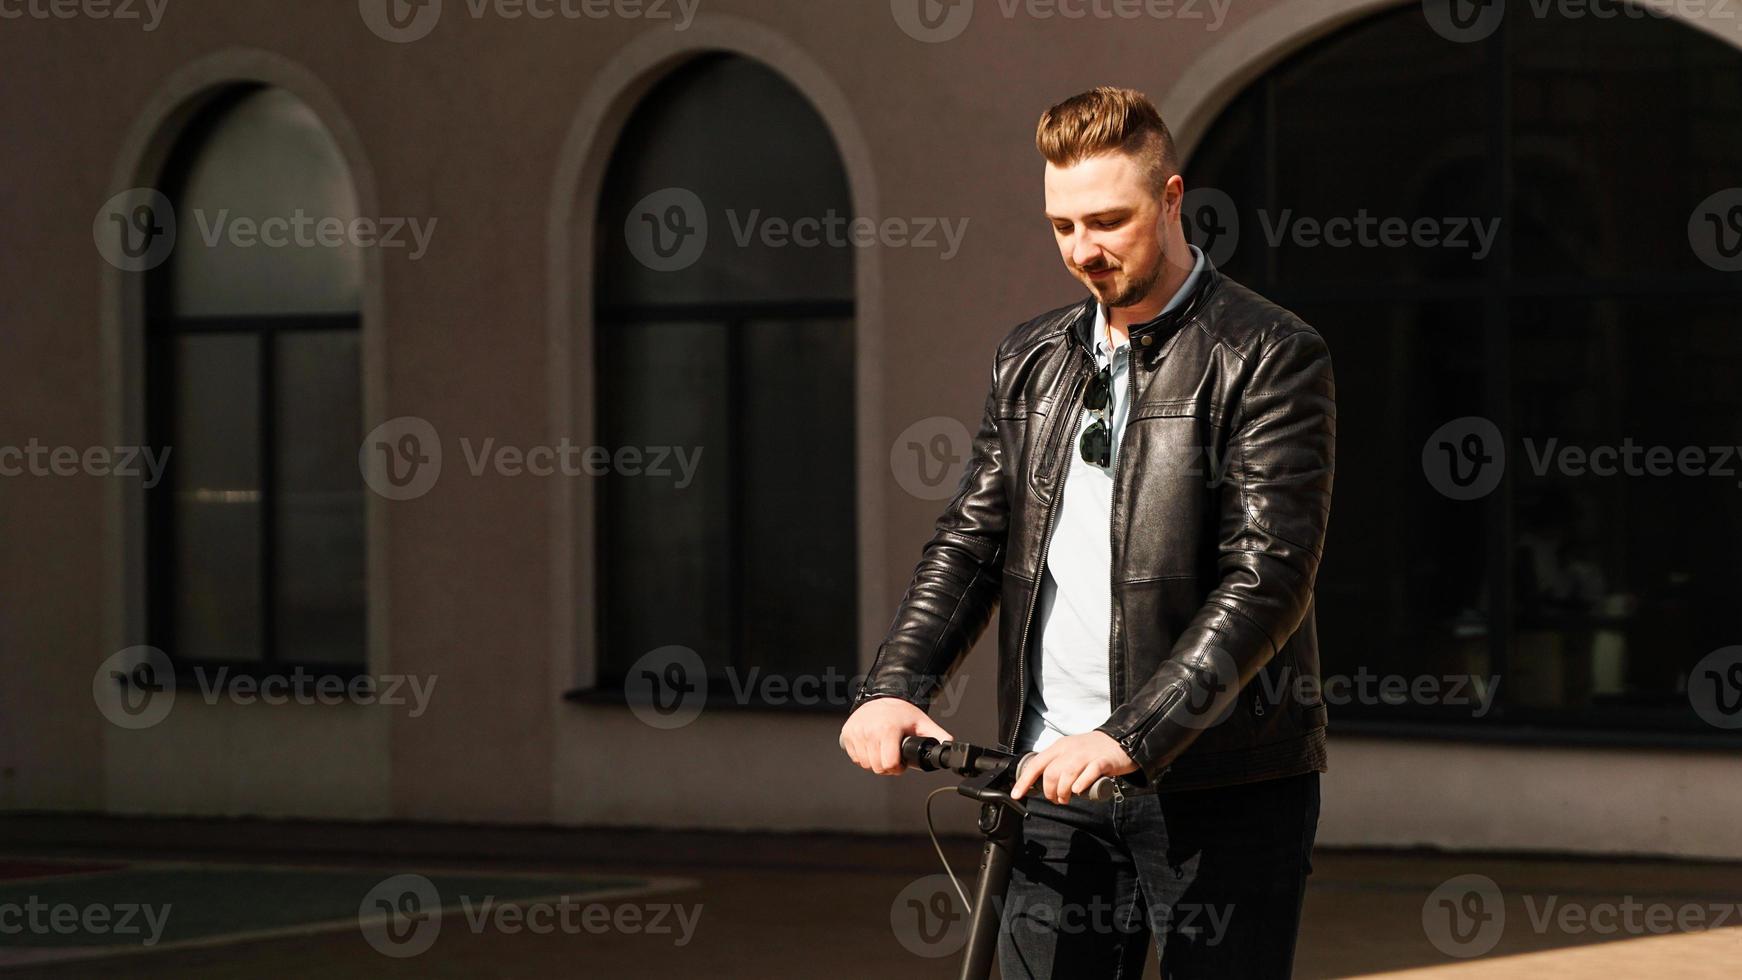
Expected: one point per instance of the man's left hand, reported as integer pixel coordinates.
(1071, 765)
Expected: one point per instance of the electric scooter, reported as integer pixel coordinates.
(990, 775)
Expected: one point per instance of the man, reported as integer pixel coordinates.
(1146, 504)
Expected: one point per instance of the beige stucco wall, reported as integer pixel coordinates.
(498, 129)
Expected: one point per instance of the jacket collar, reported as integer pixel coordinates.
(1152, 335)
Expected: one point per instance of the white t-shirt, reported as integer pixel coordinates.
(1069, 690)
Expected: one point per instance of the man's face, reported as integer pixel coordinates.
(1109, 225)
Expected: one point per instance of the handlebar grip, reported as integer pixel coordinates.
(919, 751)
(1100, 791)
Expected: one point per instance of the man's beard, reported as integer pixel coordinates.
(1135, 290)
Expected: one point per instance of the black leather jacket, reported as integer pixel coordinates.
(1220, 500)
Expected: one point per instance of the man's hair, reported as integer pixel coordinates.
(1107, 119)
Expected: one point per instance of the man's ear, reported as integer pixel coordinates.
(1173, 198)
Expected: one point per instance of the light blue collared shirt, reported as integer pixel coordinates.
(1070, 693)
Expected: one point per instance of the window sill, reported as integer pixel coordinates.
(1532, 736)
(716, 701)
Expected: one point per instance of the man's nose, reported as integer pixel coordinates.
(1085, 251)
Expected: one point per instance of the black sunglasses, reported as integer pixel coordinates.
(1097, 442)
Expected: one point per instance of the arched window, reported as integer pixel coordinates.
(255, 535)
(724, 337)
(1537, 281)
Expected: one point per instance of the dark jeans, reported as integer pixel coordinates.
(1215, 875)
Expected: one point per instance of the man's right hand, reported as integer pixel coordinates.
(872, 735)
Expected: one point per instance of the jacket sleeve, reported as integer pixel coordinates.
(1275, 503)
(955, 586)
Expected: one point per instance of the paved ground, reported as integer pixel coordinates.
(648, 905)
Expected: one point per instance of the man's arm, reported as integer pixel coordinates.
(1275, 505)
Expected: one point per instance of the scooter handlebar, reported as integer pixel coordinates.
(929, 755)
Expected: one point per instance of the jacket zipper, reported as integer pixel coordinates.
(1115, 679)
(1045, 546)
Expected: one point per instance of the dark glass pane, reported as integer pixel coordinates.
(264, 159)
(1402, 588)
(1621, 128)
(666, 560)
(1384, 123)
(750, 150)
(799, 586)
(732, 356)
(319, 498)
(1227, 171)
(213, 598)
(1627, 531)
